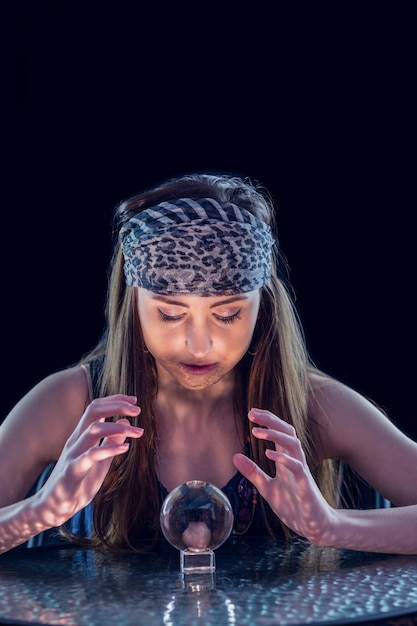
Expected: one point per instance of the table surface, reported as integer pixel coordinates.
(257, 582)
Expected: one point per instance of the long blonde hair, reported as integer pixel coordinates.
(272, 375)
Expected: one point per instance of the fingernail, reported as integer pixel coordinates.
(255, 413)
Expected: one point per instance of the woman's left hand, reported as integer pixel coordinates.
(293, 493)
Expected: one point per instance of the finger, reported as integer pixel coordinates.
(293, 465)
(286, 443)
(251, 471)
(98, 430)
(115, 437)
(102, 408)
(269, 420)
(134, 431)
(280, 438)
(117, 396)
(102, 432)
(98, 456)
(104, 452)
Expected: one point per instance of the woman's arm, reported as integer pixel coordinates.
(350, 428)
(347, 426)
(52, 423)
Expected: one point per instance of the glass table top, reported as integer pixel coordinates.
(257, 582)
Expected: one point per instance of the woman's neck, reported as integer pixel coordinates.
(194, 406)
(197, 436)
(200, 405)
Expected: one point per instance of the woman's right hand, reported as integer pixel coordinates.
(86, 457)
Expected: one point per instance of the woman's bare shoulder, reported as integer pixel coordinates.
(69, 387)
(50, 410)
(346, 425)
(339, 414)
(37, 428)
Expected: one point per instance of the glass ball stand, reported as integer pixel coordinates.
(196, 518)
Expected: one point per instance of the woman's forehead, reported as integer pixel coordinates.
(188, 299)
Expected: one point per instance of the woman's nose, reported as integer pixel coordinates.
(198, 339)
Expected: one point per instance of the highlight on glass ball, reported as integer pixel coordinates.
(196, 518)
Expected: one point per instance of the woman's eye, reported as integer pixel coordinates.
(168, 318)
(230, 319)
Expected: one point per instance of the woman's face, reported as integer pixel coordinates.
(197, 340)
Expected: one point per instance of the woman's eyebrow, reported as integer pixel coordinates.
(168, 300)
(229, 300)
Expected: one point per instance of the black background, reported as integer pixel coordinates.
(318, 106)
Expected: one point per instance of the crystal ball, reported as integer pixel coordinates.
(196, 516)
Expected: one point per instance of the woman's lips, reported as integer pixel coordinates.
(198, 368)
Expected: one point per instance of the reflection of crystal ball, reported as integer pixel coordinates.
(197, 516)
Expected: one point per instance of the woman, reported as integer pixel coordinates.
(202, 373)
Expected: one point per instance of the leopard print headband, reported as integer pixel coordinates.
(197, 246)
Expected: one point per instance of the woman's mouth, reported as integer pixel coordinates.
(198, 368)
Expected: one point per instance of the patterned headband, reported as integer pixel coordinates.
(198, 246)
